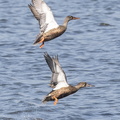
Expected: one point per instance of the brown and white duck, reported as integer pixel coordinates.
(49, 29)
(59, 83)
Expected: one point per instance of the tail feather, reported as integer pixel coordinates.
(46, 99)
(37, 39)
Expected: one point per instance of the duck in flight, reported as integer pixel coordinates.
(59, 83)
(49, 29)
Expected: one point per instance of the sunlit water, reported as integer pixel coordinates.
(88, 51)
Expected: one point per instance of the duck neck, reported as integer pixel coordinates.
(65, 22)
(78, 87)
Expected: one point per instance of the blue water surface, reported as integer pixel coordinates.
(88, 51)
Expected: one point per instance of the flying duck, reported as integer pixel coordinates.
(59, 83)
(49, 29)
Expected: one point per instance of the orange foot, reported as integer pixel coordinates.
(42, 40)
(42, 45)
(56, 100)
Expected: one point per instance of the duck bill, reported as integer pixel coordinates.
(88, 85)
(74, 18)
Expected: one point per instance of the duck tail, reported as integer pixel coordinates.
(38, 38)
(46, 99)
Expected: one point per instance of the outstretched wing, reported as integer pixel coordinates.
(58, 75)
(43, 14)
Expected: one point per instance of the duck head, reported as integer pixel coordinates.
(68, 18)
(83, 84)
(71, 18)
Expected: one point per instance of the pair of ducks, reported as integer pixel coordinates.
(49, 30)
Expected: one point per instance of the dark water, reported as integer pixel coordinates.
(89, 51)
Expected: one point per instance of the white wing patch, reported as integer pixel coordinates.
(49, 17)
(61, 79)
(60, 85)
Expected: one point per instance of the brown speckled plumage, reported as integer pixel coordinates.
(53, 33)
(60, 93)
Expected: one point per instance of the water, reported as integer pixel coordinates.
(89, 51)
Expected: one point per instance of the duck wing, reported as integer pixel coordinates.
(58, 75)
(43, 14)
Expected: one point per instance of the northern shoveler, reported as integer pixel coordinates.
(48, 26)
(59, 81)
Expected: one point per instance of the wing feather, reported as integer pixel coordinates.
(44, 15)
(58, 75)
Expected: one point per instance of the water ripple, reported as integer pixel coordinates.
(88, 51)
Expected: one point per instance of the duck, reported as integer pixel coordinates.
(49, 29)
(59, 83)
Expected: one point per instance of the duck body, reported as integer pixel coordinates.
(60, 93)
(51, 34)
